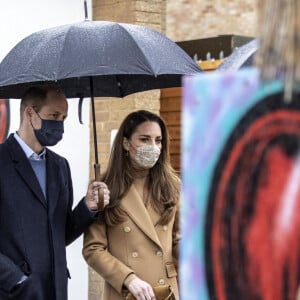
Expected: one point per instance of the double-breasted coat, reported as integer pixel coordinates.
(136, 245)
(34, 231)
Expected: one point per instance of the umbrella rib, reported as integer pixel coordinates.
(138, 46)
(62, 48)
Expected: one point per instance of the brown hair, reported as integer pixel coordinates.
(35, 96)
(163, 182)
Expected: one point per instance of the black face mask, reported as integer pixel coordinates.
(50, 133)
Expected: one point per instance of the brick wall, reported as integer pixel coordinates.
(196, 19)
(150, 13)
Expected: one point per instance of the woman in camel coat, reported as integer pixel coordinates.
(136, 247)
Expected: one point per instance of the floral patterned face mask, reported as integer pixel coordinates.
(147, 156)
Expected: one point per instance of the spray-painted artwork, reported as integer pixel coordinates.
(4, 119)
(241, 189)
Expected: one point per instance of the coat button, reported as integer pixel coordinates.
(165, 228)
(135, 254)
(161, 281)
(158, 253)
(127, 229)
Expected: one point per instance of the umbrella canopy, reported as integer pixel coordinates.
(121, 59)
(241, 57)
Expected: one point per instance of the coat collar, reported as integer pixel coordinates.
(133, 204)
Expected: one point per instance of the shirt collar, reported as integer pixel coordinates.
(28, 151)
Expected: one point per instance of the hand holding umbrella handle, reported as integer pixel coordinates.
(101, 195)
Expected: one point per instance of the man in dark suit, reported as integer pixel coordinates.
(36, 199)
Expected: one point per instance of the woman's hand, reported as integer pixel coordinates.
(141, 289)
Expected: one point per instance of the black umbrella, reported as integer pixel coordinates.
(241, 57)
(95, 58)
(121, 58)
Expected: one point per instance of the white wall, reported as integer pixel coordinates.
(18, 19)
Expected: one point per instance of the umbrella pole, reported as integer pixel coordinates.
(85, 11)
(96, 165)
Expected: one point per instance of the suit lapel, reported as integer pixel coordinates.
(53, 181)
(135, 208)
(24, 169)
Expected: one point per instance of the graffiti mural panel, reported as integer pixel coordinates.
(4, 119)
(241, 174)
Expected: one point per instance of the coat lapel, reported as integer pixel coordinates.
(53, 181)
(25, 170)
(135, 208)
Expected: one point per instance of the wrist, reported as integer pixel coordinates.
(89, 207)
(129, 279)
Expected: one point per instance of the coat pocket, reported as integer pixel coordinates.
(24, 266)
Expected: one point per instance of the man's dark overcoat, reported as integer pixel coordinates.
(34, 231)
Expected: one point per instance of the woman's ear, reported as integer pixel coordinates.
(125, 144)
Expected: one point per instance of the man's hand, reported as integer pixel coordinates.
(92, 195)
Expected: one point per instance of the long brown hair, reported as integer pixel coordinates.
(163, 182)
